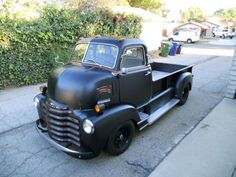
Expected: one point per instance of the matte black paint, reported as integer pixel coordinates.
(76, 85)
(183, 80)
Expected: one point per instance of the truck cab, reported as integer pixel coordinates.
(106, 92)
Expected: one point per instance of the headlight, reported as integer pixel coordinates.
(88, 126)
(36, 101)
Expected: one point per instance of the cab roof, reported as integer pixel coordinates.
(114, 41)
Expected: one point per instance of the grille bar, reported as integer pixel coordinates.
(64, 129)
(60, 134)
(62, 123)
(57, 111)
(65, 140)
(63, 118)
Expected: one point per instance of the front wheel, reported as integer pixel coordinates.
(184, 95)
(121, 138)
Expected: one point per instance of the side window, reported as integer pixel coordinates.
(176, 33)
(133, 57)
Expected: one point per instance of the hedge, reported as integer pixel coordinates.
(28, 48)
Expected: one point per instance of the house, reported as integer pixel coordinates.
(152, 25)
(195, 26)
(230, 25)
(211, 27)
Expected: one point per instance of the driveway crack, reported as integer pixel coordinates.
(139, 168)
(234, 172)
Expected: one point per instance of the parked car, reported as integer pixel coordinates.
(97, 104)
(224, 34)
(185, 36)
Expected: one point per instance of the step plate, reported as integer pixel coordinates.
(161, 111)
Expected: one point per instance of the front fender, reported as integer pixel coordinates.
(106, 123)
(183, 80)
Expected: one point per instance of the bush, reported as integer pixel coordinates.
(28, 48)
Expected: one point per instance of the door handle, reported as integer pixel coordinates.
(149, 72)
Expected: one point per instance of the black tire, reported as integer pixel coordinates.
(171, 40)
(223, 36)
(184, 95)
(120, 140)
(189, 41)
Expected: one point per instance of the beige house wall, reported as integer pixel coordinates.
(211, 28)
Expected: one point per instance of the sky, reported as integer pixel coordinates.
(208, 6)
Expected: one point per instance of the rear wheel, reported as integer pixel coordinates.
(171, 39)
(189, 41)
(184, 95)
(121, 138)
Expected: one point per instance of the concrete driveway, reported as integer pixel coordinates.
(24, 153)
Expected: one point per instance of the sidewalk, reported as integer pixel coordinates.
(209, 150)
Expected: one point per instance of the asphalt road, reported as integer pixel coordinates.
(24, 153)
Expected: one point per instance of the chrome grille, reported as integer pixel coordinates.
(61, 126)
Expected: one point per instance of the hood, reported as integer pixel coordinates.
(77, 85)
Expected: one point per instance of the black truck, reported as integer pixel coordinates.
(106, 92)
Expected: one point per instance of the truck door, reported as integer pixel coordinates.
(135, 81)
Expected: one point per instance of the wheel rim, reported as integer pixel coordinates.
(185, 93)
(121, 138)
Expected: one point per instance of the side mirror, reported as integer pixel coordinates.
(124, 70)
(127, 53)
(58, 60)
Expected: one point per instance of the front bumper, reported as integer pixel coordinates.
(79, 152)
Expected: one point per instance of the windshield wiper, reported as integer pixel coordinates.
(98, 65)
(93, 61)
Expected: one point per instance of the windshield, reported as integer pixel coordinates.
(96, 53)
(79, 52)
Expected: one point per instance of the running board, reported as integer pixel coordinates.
(161, 111)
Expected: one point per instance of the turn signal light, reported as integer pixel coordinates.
(99, 108)
(43, 89)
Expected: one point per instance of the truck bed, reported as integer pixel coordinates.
(163, 70)
(157, 75)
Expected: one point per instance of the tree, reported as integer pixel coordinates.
(88, 4)
(192, 14)
(226, 14)
(156, 6)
